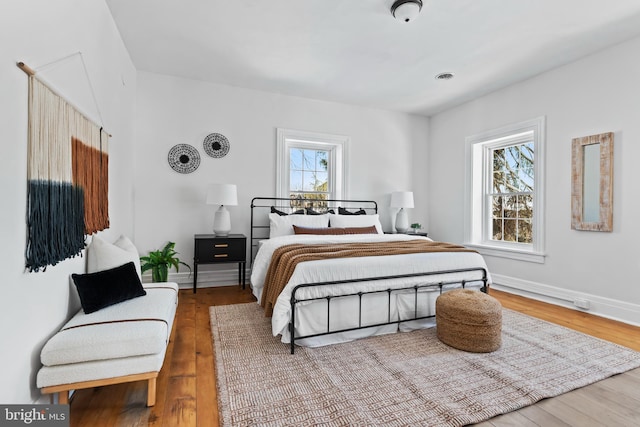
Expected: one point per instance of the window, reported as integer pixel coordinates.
(311, 167)
(510, 192)
(309, 173)
(504, 191)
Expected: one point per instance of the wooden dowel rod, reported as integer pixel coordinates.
(24, 67)
(29, 71)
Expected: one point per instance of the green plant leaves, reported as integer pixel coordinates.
(160, 261)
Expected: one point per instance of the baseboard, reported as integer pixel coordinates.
(206, 279)
(600, 306)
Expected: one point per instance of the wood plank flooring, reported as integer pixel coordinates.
(186, 389)
(614, 401)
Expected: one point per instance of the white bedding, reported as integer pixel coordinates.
(311, 316)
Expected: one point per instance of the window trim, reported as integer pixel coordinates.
(337, 145)
(476, 221)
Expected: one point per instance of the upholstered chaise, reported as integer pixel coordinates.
(121, 343)
(120, 335)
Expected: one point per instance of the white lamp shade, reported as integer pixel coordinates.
(222, 194)
(402, 199)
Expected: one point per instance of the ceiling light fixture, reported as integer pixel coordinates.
(406, 10)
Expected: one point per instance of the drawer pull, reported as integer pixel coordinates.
(221, 245)
(220, 256)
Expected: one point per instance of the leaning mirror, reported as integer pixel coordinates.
(592, 183)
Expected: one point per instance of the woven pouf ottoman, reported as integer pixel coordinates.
(469, 320)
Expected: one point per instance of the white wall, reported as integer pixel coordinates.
(34, 305)
(170, 110)
(597, 94)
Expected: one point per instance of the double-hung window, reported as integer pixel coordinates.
(311, 167)
(505, 191)
(510, 191)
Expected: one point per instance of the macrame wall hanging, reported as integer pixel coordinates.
(67, 174)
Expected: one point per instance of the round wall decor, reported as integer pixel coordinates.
(216, 145)
(184, 158)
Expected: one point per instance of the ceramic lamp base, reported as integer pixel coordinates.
(402, 221)
(222, 222)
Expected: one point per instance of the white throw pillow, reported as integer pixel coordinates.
(124, 243)
(343, 221)
(282, 225)
(103, 256)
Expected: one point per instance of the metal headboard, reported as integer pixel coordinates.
(261, 207)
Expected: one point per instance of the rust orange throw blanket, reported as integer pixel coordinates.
(285, 259)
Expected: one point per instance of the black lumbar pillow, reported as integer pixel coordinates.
(343, 211)
(281, 213)
(312, 212)
(108, 287)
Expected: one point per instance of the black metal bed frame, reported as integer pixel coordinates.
(389, 291)
(258, 233)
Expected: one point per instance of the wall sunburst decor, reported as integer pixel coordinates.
(216, 145)
(183, 158)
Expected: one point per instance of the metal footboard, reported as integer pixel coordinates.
(389, 291)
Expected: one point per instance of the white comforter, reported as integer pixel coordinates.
(353, 268)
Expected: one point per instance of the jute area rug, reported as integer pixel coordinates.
(402, 379)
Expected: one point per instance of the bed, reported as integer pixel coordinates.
(341, 287)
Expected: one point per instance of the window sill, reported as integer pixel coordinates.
(520, 255)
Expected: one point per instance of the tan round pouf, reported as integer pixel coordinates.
(469, 320)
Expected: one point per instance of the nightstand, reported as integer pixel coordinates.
(212, 249)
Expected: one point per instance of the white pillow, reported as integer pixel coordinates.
(282, 225)
(355, 221)
(103, 256)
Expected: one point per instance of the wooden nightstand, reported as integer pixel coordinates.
(212, 249)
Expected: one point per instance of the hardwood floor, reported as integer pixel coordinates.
(186, 388)
(614, 401)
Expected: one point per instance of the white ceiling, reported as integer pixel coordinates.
(355, 52)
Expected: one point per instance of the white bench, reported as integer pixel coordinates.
(121, 343)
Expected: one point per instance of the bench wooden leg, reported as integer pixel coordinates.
(63, 389)
(151, 392)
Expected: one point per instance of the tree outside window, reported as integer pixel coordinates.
(308, 177)
(512, 193)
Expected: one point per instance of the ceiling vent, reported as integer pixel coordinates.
(444, 76)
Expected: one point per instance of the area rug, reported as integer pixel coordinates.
(402, 379)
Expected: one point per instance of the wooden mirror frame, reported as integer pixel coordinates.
(605, 140)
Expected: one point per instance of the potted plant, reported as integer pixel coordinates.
(416, 226)
(159, 262)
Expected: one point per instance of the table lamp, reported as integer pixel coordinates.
(402, 200)
(222, 194)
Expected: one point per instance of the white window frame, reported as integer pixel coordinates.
(477, 212)
(336, 145)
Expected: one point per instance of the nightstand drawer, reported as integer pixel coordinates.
(220, 250)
